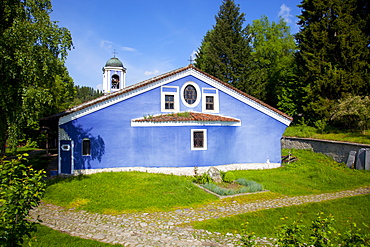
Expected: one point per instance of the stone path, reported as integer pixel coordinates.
(166, 228)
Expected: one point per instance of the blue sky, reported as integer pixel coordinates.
(151, 37)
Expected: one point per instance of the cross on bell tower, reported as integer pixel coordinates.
(114, 53)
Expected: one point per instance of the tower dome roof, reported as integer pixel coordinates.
(114, 62)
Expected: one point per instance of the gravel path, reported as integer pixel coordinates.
(166, 228)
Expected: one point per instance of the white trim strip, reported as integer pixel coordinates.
(188, 171)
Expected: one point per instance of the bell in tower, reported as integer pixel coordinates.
(114, 75)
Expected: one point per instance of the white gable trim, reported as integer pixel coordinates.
(121, 97)
(188, 72)
(241, 97)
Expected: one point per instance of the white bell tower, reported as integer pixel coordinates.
(114, 75)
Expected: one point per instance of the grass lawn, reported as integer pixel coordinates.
(262, 223)
(20, 150)
(313, 173)
(47, 237)
(329, 134)
(122, 192)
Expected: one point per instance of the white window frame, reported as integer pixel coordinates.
(199, 94)
(205, 146)
(175, 98)
(216, 103)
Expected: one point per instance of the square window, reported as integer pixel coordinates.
(210, 100)
(199, 139)
(169, 102)
(170, 99)
(210, 103)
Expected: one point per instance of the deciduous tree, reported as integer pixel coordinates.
(273, 49)
(32, 53)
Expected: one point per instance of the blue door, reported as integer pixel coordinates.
(65, 156)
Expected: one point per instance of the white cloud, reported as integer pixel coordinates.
(106, 44)
(151, 73)
(109, 45)
(130, 49)
(193, 55)
(285, 13)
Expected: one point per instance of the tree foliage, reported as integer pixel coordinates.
(257, 59)
(84, 94)
(225, 52)
(273, 49)
(21, 189)
(353, 112)
(333, 58)
(33, 76)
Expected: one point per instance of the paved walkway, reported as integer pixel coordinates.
(166, 228)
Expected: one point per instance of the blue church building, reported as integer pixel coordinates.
(171, 123)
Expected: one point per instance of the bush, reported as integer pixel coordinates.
(218, 190)
(228, 177)
(21, 189)
(248, 186)
(322, 233)
(353, 112)
(253, 186)
(202, 179)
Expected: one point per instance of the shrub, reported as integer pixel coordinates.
(218, 190)
(248, 186)
(202, 179)
(252, 186)
(21, 189)
(228, 177)
(322, 233)
(353, 112)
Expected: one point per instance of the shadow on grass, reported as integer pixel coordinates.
(68, 179)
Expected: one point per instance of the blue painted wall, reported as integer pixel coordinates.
(114, 143)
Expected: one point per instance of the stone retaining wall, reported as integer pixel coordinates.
(339, 151)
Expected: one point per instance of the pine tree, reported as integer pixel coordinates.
(333, 58)
(224, 52)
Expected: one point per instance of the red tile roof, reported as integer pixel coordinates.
(187, 117)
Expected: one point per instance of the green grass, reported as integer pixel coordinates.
(262, 223)
(20, 150)
(313, 173)
(328, 134)
(47, 237)
(121, 192)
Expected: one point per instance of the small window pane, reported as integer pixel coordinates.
(209, 103)
(190, 94)
(86, 147)
(169, 102)
(198, 139)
